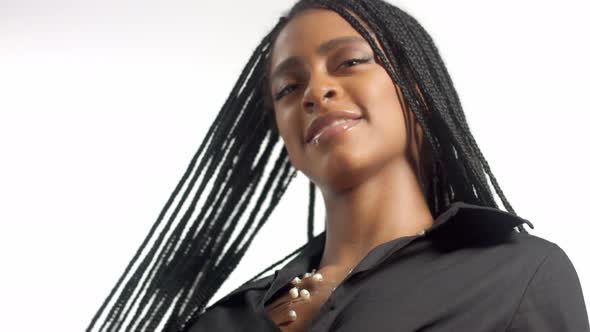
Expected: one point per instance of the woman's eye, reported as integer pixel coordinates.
(348, 63)
(352, 62)
(284, 91)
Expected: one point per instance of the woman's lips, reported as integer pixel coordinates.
(333, 130)
(327, 118)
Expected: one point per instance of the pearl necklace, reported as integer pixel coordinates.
(295, 292)
(303, 293)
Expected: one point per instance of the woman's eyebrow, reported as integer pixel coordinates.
(321, 50)
(332, 43)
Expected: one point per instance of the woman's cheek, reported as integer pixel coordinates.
(384, 94)
(290, 131)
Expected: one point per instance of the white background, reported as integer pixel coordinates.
(103, 103)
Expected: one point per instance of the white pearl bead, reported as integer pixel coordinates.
(296, 281)
(421, 233)
(306, 275)
(292, 315)
(318, 277)
(294, 292)
(305, 294)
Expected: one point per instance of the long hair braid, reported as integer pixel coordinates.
(184, 260)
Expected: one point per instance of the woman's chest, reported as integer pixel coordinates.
(300, 302)
(434, 298)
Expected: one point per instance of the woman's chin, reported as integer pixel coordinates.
(343, 173)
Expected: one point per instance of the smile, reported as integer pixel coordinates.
(334, 130)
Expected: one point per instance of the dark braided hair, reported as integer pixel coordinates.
(185, 259)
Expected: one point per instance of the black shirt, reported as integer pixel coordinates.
(471, 271)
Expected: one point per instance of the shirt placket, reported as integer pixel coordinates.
(333, 304)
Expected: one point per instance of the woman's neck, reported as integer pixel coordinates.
(386, 206)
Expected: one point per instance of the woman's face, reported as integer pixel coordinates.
(321, 64)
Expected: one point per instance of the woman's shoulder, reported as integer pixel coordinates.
(552, 294)
(258, 284)
(532, 242)
(234, 311)
(528, 255)
(536, 248)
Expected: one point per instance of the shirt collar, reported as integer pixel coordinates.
(460, 221)
(472, 219)
(461, 224)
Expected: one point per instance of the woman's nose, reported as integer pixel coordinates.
(317, 94)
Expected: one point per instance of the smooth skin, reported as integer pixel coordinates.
(368, 175)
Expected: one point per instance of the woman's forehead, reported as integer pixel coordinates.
(308, 30)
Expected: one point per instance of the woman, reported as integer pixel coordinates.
(414, 239)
